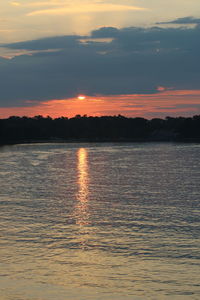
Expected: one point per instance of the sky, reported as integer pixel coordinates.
(130, 57)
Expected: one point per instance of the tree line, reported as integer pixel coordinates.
(104, 128)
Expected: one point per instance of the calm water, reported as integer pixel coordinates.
(101, 221)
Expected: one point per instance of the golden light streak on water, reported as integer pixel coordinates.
(82, 210)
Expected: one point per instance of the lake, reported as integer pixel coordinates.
(100, 221)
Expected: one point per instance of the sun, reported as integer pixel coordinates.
(81, 97)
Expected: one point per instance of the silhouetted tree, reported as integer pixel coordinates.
(105, 128)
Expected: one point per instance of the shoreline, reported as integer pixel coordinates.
(103, 140)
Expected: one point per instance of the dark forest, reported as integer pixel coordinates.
(105, 128)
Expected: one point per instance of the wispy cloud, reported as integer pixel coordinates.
(15, 3)
(39, 3)
(86, 8)
(182, 21)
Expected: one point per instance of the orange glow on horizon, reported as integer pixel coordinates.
(162, 104)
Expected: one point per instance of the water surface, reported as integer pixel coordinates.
(100, 221)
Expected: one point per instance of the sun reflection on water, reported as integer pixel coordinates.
(82, 210)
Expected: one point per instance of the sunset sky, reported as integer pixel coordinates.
(130, 57)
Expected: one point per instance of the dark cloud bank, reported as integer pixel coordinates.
(136, 60)
(182, 21)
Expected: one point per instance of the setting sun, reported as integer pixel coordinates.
(81, 97)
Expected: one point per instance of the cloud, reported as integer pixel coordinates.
(85, 8)
(58, 42)
(105, 32)
(182, 21)
(134, 61)
(15, 3)
(49, 3)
